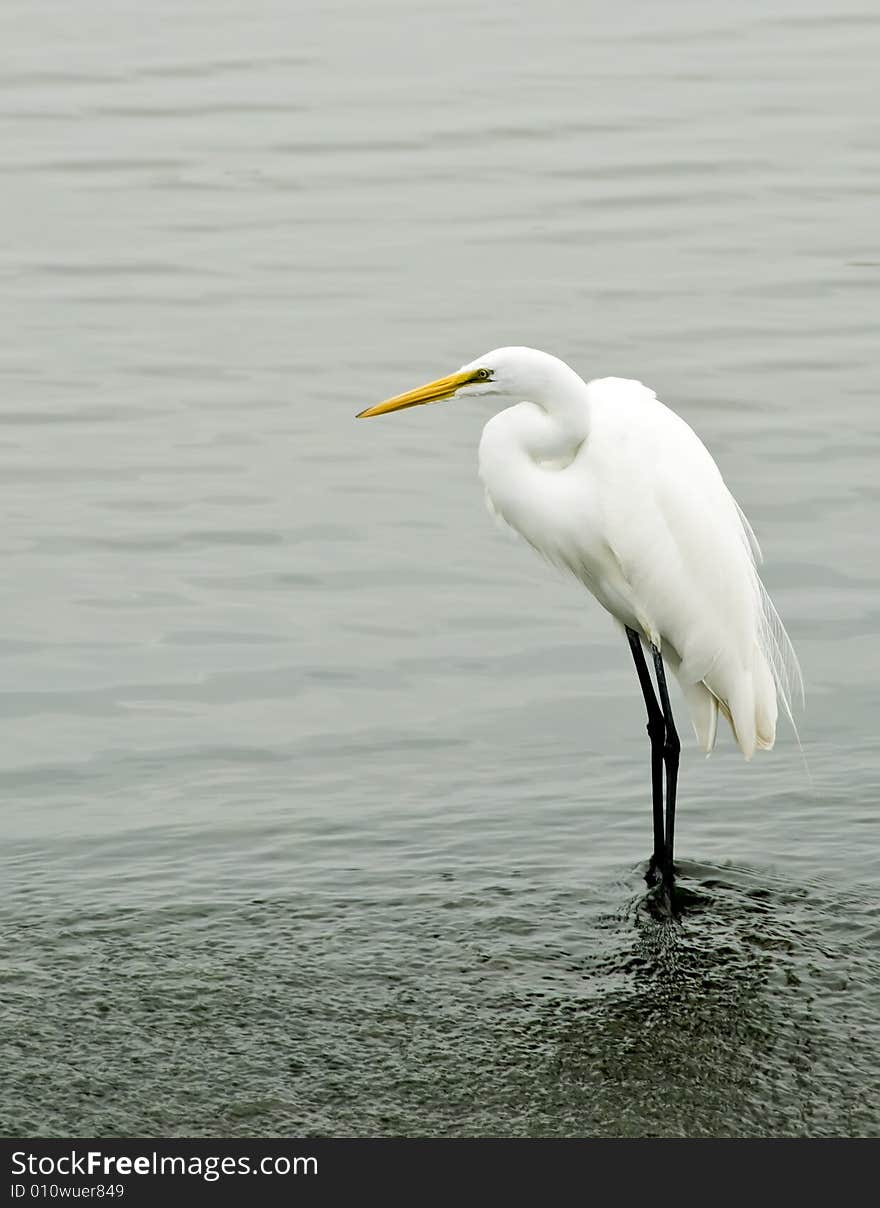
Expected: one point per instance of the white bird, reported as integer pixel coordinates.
(606, 482)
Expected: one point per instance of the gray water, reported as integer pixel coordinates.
(326, 804)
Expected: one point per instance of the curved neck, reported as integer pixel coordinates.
(531, 435)
(560, 406)
(567, 403)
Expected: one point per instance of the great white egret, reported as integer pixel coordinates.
(606, 482)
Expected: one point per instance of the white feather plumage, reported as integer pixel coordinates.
(606, 482)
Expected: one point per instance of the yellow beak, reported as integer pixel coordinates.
(433, 392)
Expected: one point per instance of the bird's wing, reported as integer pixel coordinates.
(689, 557)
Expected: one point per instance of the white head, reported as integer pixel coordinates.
(509, 374)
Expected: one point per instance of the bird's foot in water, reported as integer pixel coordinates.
(661, 890)
(654, 871)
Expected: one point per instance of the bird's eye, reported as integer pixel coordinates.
(483, 375)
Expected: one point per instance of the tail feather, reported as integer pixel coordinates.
(766, 709)
(743, 720)
(750, 704)
(704, 713)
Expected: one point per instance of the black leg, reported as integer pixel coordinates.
(671, 748)
(657, 734)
